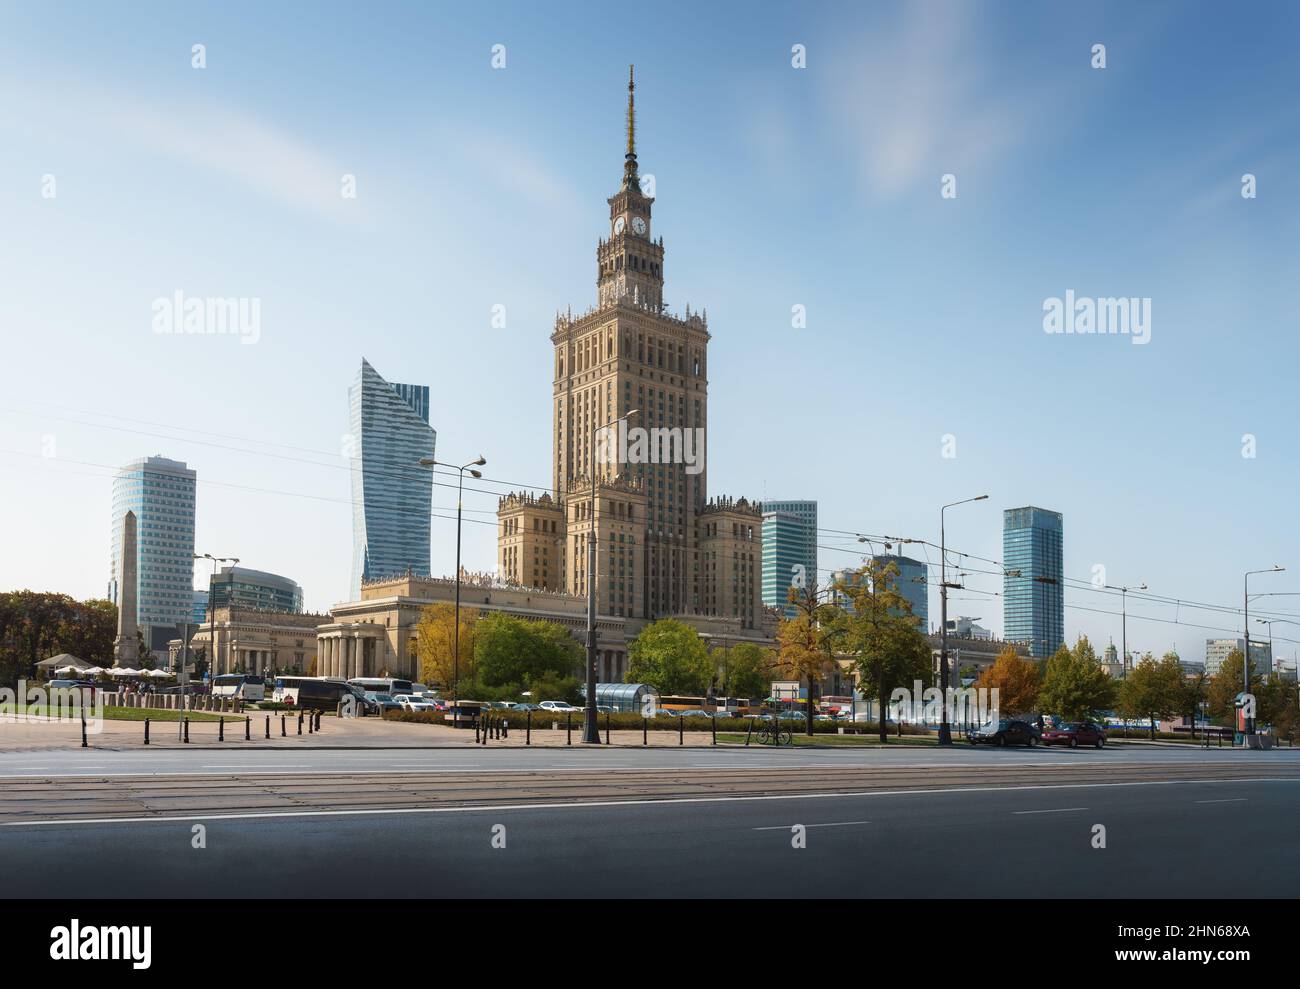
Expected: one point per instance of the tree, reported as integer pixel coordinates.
(743, 670)
(435, 635)
(1074, 684)
(802, 649)
(1225, 685)
(510, 650)
(36, 624)
(1277, 705)
(1015, 679)
(669, 655)
(1153, 690)
(883, 635)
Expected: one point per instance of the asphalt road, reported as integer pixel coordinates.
(1163, 840)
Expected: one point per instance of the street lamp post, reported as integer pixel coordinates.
(590, 729)
(1123, 607)
(455, 635)
(1245, 655)
(212, 622)
(945, 731)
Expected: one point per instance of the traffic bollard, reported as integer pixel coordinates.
(750, 732)
(299, 722)
(310, 722)
(476, 742)
(282, 731)
(714, 727)
(221, 730)
(146, 731)
(268, 726)
(568, 728)
(84, 743)
(185, 729)
(248, 729)
(645, 730)
(528, 729)
(606, 727)
(681, 730)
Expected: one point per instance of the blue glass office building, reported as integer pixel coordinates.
(240, 587)
(391, 494)
(911, 585)
(161, 493)
(789, 550)
(1033, 592)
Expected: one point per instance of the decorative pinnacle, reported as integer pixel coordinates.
(629, 164)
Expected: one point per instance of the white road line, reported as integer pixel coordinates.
(578, 804)
(1054, 810)
(1224, 800)
(248, 765)
(837, 824)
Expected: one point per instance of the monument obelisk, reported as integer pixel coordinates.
(126, 650)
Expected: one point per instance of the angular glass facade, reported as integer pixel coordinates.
(1033, 592)
(789, 550)
(392, 494)
(911, 584)
(161, 493)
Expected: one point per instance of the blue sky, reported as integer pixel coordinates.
(775, 187)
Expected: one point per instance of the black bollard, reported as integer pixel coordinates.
(248, 729)
(282, 731)
(476, 741)
(221, 730)
(681, 730)
(146, 731)
(606, 727)
(568, 728)
(528, 730)
(84, 743)
(299, 722)
(268, 726)
(185, 727)
(714, 727)
(310, 722)
(645, 730)
(750, 732)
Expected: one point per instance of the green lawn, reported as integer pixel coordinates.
(126, 713)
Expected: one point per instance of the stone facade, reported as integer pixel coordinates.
(253, 641)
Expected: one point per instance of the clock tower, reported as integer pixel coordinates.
(630, 264)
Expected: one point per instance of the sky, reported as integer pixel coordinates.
(922, 374)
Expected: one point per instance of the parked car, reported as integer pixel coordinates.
(413, 702)
(558, 707)
(1008, 731)
(385, 702)
(525, 706)
(1076, 733)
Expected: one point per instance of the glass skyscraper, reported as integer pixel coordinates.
(911, 585)
(1033, 590)
(243, 588)
(789, 550)
(161, 493)
(392, 494)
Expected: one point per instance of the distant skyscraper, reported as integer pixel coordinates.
(245, 588)
(200, 613)
(161, 494)
(391, 494)
(911, 584)
(1033, 592)
(789, 550)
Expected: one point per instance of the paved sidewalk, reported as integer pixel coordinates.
(345, 733)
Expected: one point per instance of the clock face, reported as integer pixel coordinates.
(638, 225)
(618, 225)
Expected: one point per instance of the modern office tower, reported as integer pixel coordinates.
(240, 587)
(911, 584)
(1217, 650)
(200, 613)
(1033, 590)
(161, 494)
(392, 495)
(785, 559)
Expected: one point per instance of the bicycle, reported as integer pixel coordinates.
(772, 733)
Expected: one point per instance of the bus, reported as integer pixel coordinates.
(382, 685)
(669, 702)
(318, 693)
(242, 685)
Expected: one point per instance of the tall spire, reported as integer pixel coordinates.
(629, 164)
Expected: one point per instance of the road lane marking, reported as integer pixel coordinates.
(1224, 800)
(575, 804)
(1054, 810)
(836, 824)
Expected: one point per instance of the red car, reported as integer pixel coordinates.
(1076, 733)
